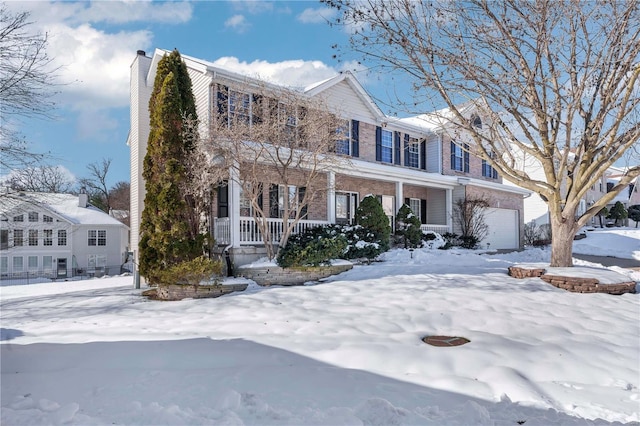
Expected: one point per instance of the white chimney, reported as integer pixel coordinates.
(83, 198)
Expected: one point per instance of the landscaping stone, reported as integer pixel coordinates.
(525, 272)
(189, 291)
(275, 275)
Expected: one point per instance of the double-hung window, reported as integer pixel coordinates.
(386, 146)
(62, 237)
(239, 107)
(343, 143)
(459, 157)
(48, 237)
(18, 237)
(97, 237)
(488, 170)
(47, 219)
(18, 218)
(415, 203)
(33, 216)
(33, 237)
(413, 153)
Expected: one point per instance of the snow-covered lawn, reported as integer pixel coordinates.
(345, 351)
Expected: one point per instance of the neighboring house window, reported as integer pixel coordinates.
(47, 263)
(4, 265)
(387, 146)
(97, 261)
(33, 263)
(18, 237)
(62, 237)
(459, 157)
(19, 218)
(18, 264)
(4, 239)
(46, 218)
(97, 237)
(33, 237)
(33, 216)
(48, 237)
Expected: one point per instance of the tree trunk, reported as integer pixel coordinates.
(562, 233)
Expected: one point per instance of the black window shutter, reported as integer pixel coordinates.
(223, 200)
(378, 143)
(274, 210)
(495, 173)
(260, 197)
(423, 211)
(303, 211)
(407, 201)
(423, 155)
(453, 155)
(355, 138)
(406, 149)
(466, 158)
(222, 102)
(397, 153)
(256, 109)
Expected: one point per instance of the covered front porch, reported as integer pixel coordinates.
(250, 235)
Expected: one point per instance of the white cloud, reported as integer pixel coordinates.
(293, 73)
(316, 16)
(94, 64)
(253, 7)
(113, 12)
(238, 23)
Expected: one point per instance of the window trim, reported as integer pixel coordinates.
(62, 237)
(384, 148)
(33, 238)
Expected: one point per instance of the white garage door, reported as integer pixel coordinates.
(503, 229)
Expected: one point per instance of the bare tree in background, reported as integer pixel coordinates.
(27, 82)
(284, 142)
(53, 179)
(555, 81)
(96, 184)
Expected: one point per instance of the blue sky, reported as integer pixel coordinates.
(95, 43)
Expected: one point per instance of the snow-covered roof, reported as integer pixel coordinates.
(439, 119)
(66, 206)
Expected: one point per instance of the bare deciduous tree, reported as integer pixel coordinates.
(96, 184)
(53, 179)
(283, 140)
(27, 80)
(556, 82)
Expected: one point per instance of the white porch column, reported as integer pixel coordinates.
(449, 209)
(399, 196)
(331, 197)
(234, 207)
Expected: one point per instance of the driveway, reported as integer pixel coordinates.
(609, 260)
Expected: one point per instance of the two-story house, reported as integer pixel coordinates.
(58, 236)
(400, 161)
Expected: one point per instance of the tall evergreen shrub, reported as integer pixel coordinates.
(372, 217)
(408, 227)
(169, 228)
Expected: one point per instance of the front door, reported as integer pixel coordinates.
(62, 268)
(346, 204)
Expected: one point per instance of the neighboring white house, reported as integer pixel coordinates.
(400, 161)
(58, 236)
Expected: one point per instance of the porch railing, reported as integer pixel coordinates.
(251, 235)
(440, 229)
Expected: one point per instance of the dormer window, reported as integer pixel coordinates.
(476, 121)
